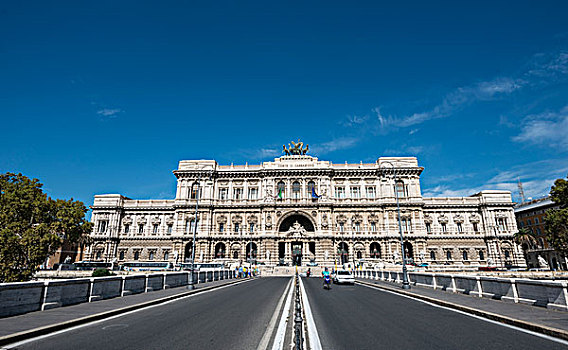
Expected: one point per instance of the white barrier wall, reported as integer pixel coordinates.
(20, 298)
(550, 294)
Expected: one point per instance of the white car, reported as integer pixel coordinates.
(343, 276)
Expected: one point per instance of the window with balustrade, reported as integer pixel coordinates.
(296, 190)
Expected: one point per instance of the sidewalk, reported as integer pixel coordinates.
(538, 319)
(42, 322)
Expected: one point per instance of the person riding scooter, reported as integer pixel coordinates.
(309, 272)
(326, 279)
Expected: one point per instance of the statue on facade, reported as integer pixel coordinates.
(297, 150)
(542, 263)
(296, 230)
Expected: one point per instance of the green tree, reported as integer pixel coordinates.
(556, 220)
(33, 226)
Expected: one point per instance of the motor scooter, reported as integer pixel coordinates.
(327, 282)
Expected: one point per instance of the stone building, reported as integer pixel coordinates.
(298, 209)
(531, 215)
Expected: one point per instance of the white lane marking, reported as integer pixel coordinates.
(313, 335)
(263, 345)
(14, 345)
(540, 335)
(281, 332)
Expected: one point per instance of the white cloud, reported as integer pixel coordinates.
(549, 129)
(536, 178)
(453, 101)
(109, 112)
(405, 150)
(334, 145)
(354, 120)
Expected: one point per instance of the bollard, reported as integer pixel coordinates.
(298, 340)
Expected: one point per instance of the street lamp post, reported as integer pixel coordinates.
(405, 283)
(197, 184)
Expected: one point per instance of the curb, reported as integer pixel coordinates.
(35, 332)
(553, 332)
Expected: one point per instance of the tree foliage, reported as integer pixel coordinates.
(33, 226)
(556, 220)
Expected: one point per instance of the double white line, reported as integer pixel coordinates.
(278, 344)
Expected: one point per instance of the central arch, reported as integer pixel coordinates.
(289, 219)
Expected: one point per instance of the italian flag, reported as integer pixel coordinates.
(280, 193)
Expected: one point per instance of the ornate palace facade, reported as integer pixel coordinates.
(298, 209)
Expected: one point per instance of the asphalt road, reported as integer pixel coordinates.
(234, 317)
(358, 317)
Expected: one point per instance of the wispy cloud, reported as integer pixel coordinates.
(536, 177)
(549, 129)
(541, 69)
(354, 120)
(405, 150)
(109, 112)
(334, 145)
(454, 101)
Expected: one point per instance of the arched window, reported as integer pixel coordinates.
(507, 254)
(481, 255)
(166, 255)
(400, 189)
(311, 188)
(432, 255)
(219, 251)
(136, 255)
(449, 255)
(281, 190)
(359, 255)
(235, 254)
(464, 255)
(121, 255)
(151, 256)
(375, 250)
(98, 255)
(296, 190)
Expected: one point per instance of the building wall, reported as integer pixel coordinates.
(357, 207)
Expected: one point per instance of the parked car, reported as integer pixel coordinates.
(343, 276)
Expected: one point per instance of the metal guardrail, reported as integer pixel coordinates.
(298, 320)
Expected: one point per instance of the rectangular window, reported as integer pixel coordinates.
(236, 228)
(237, 193)
(126, 228)
(251, 228)
(221, 227)
(428, 228)
(357, 227)
(341, 227)
(253, 193)
(155, 229)
(192, 225)
(170, 226)
(223, 193)
(340, 192)
(501, 222)
(103, 226)
(373, 227)
(141, 228)
(444, 228)
(460, 228)
(406, 225)
(370, 192)
(475, 228)
(355, 192)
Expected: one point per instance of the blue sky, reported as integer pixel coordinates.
(107, 97)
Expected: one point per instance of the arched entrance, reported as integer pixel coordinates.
(187, 252)
(289, 220)
(251, 251)
(343, 252)
(219, 251)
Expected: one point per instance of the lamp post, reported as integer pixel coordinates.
(405, 283)
(197, 184)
